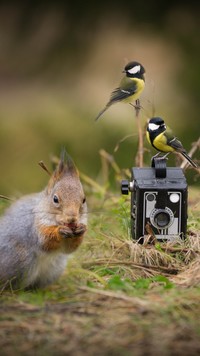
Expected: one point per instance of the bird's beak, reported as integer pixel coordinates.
(123, 71)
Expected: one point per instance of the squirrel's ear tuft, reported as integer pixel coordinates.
(71, 167)
(65, 166)
(61, 167)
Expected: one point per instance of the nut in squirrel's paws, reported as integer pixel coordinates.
(72, 230)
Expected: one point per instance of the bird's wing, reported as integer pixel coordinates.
(127, 88)
(173, 142)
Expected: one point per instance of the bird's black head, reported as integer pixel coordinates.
(134, 70)
(156, 124)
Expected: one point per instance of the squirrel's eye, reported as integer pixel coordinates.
(55, 199)
(84, 200)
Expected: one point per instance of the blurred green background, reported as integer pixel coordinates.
(60, 60)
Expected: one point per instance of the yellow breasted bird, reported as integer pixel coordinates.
(163, 140)
(130, 87)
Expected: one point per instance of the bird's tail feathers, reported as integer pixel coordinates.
(189, 159)
(102, 111)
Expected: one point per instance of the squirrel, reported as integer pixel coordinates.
(39, 231)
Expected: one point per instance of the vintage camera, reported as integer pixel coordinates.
(158, 201)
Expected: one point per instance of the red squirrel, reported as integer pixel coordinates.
(39, 231)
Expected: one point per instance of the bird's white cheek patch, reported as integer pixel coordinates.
(134, 70)
(153, 127)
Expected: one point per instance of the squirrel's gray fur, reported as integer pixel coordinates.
(27, 258)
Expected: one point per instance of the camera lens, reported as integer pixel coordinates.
(162, 219)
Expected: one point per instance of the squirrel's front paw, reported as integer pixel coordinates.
(66, 231)
(80, 229)
(72, 230)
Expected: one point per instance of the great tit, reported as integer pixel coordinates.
(130, 87)
(163, 140)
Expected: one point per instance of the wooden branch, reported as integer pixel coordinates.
(139, 156)
(195, 147)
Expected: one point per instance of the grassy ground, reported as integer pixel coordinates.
(116, 296)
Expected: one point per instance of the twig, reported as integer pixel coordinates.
(122, 140)
(195, 147)
(129, 263)
(43, 166)
(177, 249)
(139, 155)
(4, 287)
(5, 197)
(109, 158)
(115, 295)
(92, 183)
(151, 237)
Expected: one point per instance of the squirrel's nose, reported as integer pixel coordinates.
(68, 217)
(71, 218)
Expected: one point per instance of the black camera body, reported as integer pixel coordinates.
(158, 200)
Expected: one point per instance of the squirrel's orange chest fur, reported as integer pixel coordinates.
(52, 240)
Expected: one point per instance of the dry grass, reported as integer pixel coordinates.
(190, 276)
(117, 297)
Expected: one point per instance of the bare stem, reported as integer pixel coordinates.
(195, 147)
(139, 155)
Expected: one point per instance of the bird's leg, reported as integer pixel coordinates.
(153, 159)
(137, 106)
(165, 156)
(157, 154)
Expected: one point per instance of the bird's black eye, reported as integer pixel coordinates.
(55, 199)
(84, 200)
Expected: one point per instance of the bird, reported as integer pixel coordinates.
(130, 87)
(162, 139)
